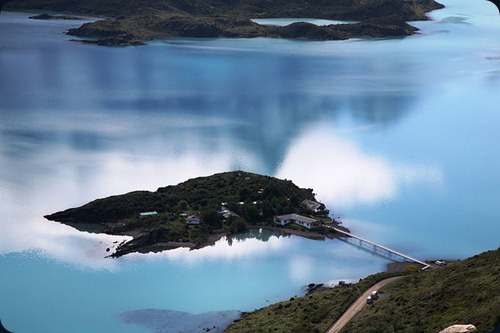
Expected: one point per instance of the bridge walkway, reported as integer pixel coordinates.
(381, 247)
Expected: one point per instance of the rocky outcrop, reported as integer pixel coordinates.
(134, 30)
(460, 329)
(160, 25)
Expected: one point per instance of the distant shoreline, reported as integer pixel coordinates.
(134, 23)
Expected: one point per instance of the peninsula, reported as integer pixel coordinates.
(133, 22)
(199, 211)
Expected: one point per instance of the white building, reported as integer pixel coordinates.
(303, 221)
(147, 214)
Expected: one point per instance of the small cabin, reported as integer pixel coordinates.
(194, 219)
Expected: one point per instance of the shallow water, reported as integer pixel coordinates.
(399, 137)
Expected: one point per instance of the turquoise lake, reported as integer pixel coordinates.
(398, 137)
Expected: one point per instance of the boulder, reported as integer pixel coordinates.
(460, 329)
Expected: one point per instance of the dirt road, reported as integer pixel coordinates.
(358, 305)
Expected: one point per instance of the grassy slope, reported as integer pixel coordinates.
(465, 292)
(308, 314)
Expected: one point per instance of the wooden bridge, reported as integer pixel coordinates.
(380, 249)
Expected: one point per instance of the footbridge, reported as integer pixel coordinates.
(380, 249)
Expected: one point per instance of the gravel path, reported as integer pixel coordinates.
(358, 306)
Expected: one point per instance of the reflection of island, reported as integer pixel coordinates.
(267, 99)
(132, 22)
(54, 17)
(199, 211)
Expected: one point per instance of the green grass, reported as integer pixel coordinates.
(308, 314)
(466, 292)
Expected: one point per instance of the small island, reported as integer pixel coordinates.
(200, 211)
(133, 22)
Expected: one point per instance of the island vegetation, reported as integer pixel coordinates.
(465, 292)
(132, 22)
(197, 212)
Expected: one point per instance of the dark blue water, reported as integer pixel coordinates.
(398, 137)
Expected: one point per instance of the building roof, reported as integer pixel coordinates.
(193, 219)
(312, 205)
(297, 217)
(148, 213)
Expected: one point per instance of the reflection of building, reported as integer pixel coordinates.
(316, 207)
(193, 219)
(303, 221)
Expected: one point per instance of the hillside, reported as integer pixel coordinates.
(466, 292)
(247, 198)
(131, 22)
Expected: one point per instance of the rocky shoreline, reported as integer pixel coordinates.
(134, 23)
(136, 31)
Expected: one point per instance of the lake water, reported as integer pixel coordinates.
(399, 137)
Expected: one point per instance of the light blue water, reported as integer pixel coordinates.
(287, 21)
(398, 137)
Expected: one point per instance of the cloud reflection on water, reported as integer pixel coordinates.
(72, 176)
(138, 120)
(343, 174)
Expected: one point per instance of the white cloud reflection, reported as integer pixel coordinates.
(222, 249)
(342, 173)
(35, 185)
(45, 177)
(301, 268)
